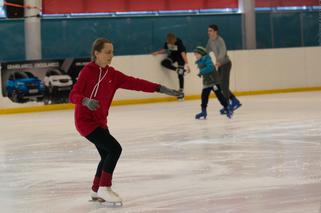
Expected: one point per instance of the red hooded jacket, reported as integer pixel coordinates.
(101, 84)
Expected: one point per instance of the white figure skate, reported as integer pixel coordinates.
(107, 196)
(94, 196)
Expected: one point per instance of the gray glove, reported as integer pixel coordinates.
(91, 104)
(171, 92)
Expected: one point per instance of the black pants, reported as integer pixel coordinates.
(206, 93)
(109, 150)
(168, 63)
(224, 71)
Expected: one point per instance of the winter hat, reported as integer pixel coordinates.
(201, 50)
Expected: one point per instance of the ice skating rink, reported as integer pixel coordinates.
(267, 159)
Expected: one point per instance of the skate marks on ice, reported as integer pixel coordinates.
(266, 159)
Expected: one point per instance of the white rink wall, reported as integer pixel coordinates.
(252, 70)
(276, 69)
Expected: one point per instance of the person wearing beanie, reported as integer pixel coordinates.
(176, 53)
(211, 81)
(223, 63)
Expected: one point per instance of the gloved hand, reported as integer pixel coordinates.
(171, 92)
(91, 104)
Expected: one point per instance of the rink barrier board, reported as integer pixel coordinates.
(60, 37)
(149, 100)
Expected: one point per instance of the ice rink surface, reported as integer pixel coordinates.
(267, 159)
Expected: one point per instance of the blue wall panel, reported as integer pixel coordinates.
(263, 30)
(72, 37)
(286, 29)
(133, 35)
(12, 40)
(311, 34)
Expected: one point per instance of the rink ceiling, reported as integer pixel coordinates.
(266, 159)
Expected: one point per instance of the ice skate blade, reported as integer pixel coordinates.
(107, 203)
(112, 204)
(237, 106)
(200, 118)
(96, 199)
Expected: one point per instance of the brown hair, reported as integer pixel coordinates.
(171, 38)
(214, 27)
(98, 45)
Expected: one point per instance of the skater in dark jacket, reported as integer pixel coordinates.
(176, 52)
(211, 82)
(223, 63)
(93, 94)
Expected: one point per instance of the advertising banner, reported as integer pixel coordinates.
(47, 81)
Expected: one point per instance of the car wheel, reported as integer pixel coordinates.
(14, 96)
(40, 99)
(50, 88)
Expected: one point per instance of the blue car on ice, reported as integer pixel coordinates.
(24, 86)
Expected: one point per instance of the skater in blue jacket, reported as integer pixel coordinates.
(211, 81)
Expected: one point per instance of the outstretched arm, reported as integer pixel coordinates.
(170, 92)
(161, 51)
(131, 83)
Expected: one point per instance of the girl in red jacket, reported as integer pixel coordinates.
(92, 95)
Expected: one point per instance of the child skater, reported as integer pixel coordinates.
(211, 82)
(92, 95)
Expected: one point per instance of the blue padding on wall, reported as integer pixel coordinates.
(12, 40)
(72, 37)
(133, 35)
(287, 29)
(311, 27)
(287, 32)
(263, 30)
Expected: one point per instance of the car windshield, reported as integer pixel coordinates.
(19, 75)
(30, 75)
(53, 72)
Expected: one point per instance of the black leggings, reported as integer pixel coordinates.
(206, 93)
(168, 63)
(109, 150)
